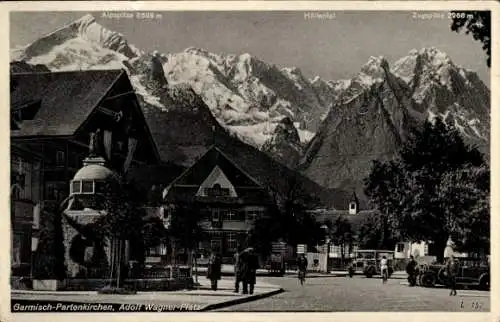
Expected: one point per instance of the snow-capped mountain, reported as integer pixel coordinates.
(247, 96)
(374, 111)
(335, 126)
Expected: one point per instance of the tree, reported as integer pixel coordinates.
(185, 230)
(265, 231)
(342, 235)
(289, 220)
(374, 233)
(467, 191)
(406, 190)
(49, 255)
(476, 22)
(122, 221)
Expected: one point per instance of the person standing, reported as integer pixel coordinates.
(237, 272)
(248, 267)
(384, 269)
(253, 265)
(411, 271)
(451, 269)
(214, 270)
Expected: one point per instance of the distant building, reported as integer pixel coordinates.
(355, 216)
(353, 213)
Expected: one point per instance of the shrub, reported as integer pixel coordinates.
(49, 255)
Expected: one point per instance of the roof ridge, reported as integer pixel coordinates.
(237, 166)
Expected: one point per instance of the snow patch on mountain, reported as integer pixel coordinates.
(78, 54)
(255, 134)
(305, 135)
(146, 95)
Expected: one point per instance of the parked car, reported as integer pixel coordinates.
(367, 261)
(471, 272)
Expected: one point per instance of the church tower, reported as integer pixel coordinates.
(353, 204)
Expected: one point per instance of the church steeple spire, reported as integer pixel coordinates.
(353, 204)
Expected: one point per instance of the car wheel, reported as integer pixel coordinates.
(427, 280)
(443, 276)
(484, 282)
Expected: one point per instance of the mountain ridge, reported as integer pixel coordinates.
(315, 125)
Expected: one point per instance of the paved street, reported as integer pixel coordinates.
(339, 294)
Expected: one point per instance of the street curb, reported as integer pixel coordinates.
(215, 306)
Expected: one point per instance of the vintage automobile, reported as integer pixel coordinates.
(471, 272)
(367, 261)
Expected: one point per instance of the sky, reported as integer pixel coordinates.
(333, 48)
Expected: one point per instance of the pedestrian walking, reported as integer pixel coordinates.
(411, 270)
(214, 270)
(253, 266)
(384, 269)
(237, 272)
(451, 270)
(248, 264)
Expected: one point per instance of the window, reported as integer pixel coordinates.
(155, 251)
(216, 245)
(76, 187)
(60, 158)
(87, 186)
(16, 192)
(215, 215)
(230, 215)
(231, 242)
(217, 191)
(17, 178)
(353, 206)
(400, 248)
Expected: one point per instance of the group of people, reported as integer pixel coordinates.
(245, 269)
(452, 267)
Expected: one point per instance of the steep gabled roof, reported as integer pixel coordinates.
(67, 99)
(198, 172)
(255, 168)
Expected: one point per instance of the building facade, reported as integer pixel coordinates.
(55, 119)
(26, 202)
(227, 201)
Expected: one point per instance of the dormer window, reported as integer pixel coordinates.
(353, 206)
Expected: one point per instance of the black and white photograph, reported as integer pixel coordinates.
(250, 161)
